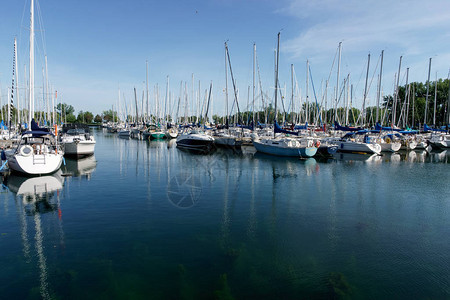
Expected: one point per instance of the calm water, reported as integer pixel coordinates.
(144, 220)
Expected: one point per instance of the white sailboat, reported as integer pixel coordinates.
(37, 152)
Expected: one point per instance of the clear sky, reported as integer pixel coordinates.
(95, 46)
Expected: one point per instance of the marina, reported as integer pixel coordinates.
(250, 179)
(145, 219)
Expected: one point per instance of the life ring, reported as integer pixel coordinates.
(26, 150)
(388, 140)
(317, 144)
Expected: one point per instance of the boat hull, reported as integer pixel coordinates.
(390, 147)
(227, 141)
(326, 150)
(36, 164)
(157, 135)
(195, 142)
(285, 151)
(79, 148)
(356, 147)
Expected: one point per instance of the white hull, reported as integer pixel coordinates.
(284, 147)
(79, 148)
(440, 142)
(408, 145)
(357, 147)
(390, 147)
(171, 134)
(124, 133)
(35, 164)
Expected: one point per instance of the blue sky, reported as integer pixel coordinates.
(93, 47)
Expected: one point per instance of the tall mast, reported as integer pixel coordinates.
(413, 103)
(347, 99)
(307, 89)
(146, 90)
(426, 97)
(226, 82)
(394, 108)
(276, 80)
(408, 89)
(31, 108)
(448, 99)
(292, 93)
(365, 92)
(253, 95)
(435, 98)
(16, 80)
(337, 81)
(379, 88)
(404, 107)
(46, 89)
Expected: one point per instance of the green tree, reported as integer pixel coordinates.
(98, 119)
(63, 108)
(108, 115)
(80, 117)
(88, 117)
(70, 118)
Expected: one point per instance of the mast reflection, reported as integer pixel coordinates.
(37, 196)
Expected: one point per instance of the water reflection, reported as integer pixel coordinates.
(413, 156)
(287, 167)
(354, 157)
(37, 196)
(440, 156)
(80, 167)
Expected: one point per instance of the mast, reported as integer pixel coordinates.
(253, 96)
(16, 80)
(276, 80)
(234, 87)
(365, 92)
(379, 87)
(435, 98)
(146, 90)
(307, 90)
(413, 103)
(448, 99)
(53, 110)
(292, 93)
(13, 87)
(347, 99)
(46, 89)
(31, 93)
(337, 81)
(408, 98)
(394, 108)
(226, 83)
(165, 104)
(404, 107)
(426, 97)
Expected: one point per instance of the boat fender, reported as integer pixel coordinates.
(317, 144)
(388, 140)
(310, 143)
(26, 150)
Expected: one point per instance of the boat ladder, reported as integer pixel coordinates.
(38, 159)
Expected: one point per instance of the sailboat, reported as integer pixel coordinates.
(284, 146)
(38, 151)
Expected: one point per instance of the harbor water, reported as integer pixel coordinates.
(145, 220)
